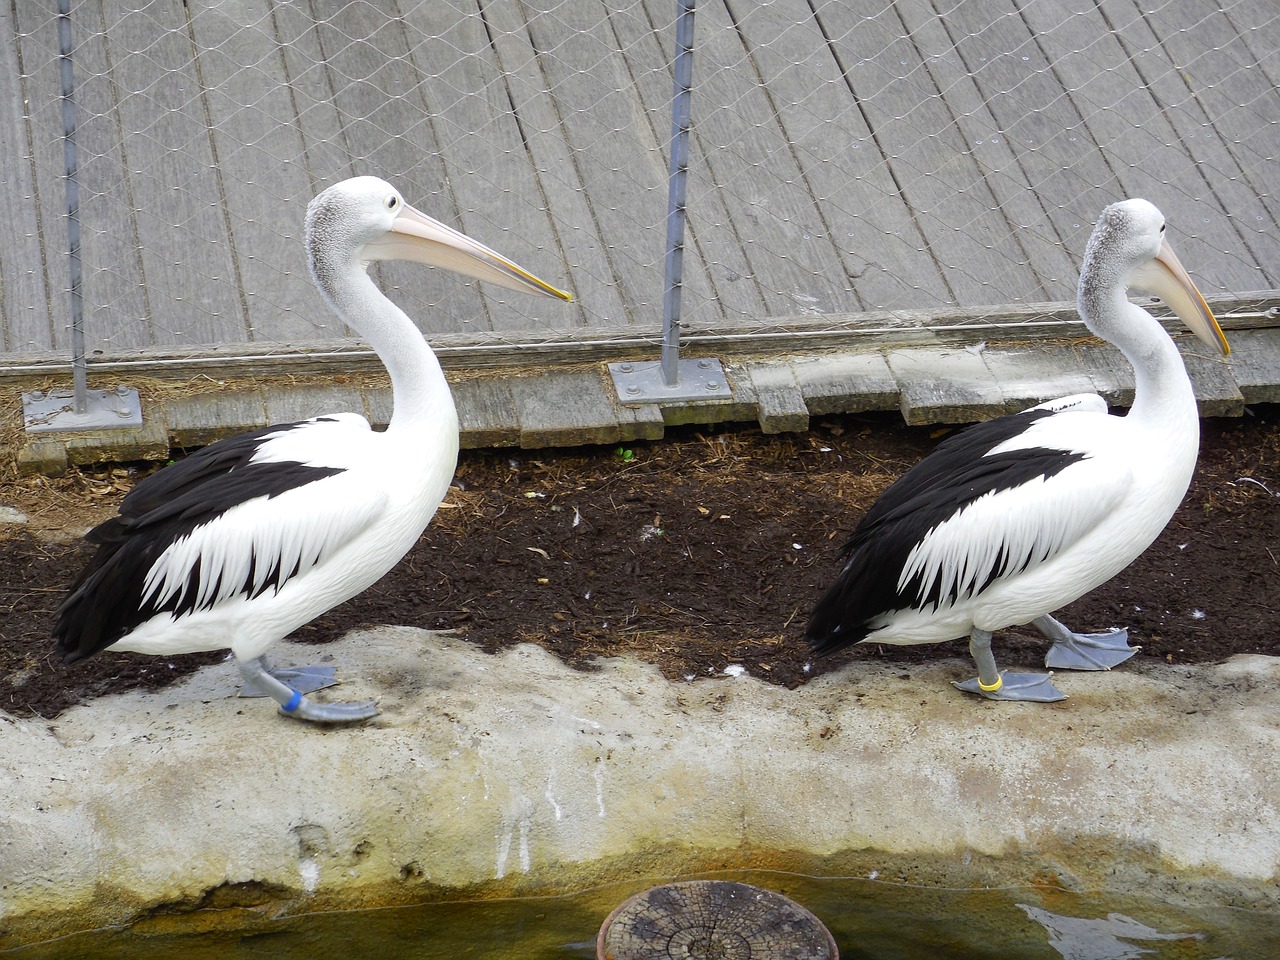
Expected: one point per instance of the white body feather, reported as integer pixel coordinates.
(343, 533)
(1080, 527)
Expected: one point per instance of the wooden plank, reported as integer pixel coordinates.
(777, 219)
(1109, 371)
(117, 310)
(1217, 394)
(263, 192)
(1161, 138)
(846, 383)
(1255, 365)
(575, 91)
(486, 412)
(568, 408)
(378, 405)
(945, 386)
(287, 403)
(1028, 375)
(591, 272)
(859, 209)
(915, 130)
(171, 181)
(147, 442)
(780, 403)
(710, 412)
(202, 418)
(486, 162)
(1014, 121)
(47, 457)
(26, 291)
(640, 421)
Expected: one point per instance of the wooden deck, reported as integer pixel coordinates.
(937, 156)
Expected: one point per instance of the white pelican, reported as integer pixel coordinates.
(249, 538)
(1013, 518)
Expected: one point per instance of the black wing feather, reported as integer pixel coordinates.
(105, 602)
(959, 471)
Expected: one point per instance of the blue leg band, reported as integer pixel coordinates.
(293, 703)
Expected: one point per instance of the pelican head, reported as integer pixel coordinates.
(366, 219)
(1129, 249)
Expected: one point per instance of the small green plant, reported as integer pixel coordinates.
(625, 455)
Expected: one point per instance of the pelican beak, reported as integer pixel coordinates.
(1166, 278)
(423, 239)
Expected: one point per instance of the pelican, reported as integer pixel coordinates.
(251, 537)
(1011, 519)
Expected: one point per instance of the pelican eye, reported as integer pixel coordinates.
(392, 202)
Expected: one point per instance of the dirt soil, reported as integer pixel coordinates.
(699, 552)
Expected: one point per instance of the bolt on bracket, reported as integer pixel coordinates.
(55, 411)
(697, 379)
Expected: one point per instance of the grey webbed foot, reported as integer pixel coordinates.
(1084, 651)
(994, 685)
(286, 687)
(1031, 687)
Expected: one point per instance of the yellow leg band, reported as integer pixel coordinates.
(991, 687)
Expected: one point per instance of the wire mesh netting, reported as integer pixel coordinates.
(845, 158)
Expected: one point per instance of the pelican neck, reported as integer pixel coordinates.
(1162, 390)
(419, 389)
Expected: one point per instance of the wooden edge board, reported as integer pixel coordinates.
(928, 382)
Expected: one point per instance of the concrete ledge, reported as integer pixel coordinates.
(513, 774)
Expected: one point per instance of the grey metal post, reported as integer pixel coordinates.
(79, 370)
(81, 409)
(671, 379)
(677, 191)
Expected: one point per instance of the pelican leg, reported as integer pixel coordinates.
(1083, 651)
(994, 685)
(292, 703)
(302, 679)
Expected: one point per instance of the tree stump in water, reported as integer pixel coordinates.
(713, 920)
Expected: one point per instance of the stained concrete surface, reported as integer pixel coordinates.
(488, 775)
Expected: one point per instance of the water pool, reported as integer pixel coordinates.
(872, 919)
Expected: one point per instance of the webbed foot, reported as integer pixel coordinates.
(1031, 687)
(265, 681)
(1084, 651)
(994, 685)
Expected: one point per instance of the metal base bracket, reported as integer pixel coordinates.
(696, 379)
(104, 410)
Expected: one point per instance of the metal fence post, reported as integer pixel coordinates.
(678, 186)
(81, 409)
(672, 378)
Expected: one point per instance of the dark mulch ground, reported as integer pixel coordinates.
(700, 551)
